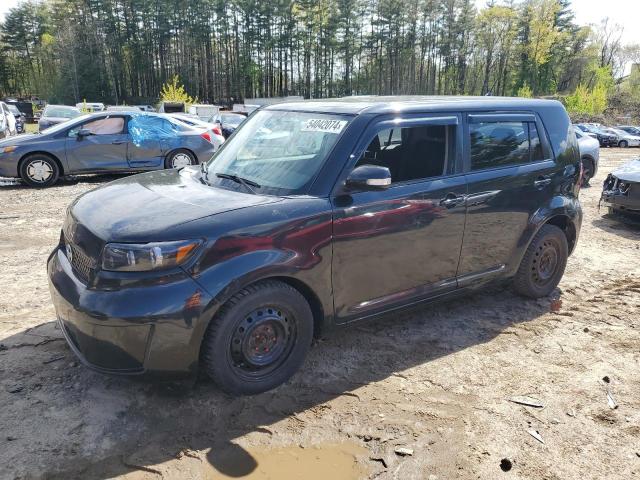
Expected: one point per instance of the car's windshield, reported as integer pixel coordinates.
(233, 119)
(65, 125)
(13, 109)
(61, 112)
(279, 152)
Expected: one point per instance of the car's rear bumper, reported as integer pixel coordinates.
(153, 330)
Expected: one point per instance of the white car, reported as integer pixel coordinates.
(213, 128)
(90, 107)
(625, 139)
(7, 121)
(589, 155)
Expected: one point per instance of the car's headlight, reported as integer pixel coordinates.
(129, 257)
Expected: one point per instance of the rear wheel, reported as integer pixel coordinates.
(180, 158)
(587, 171)
(39, 170)
(623, 144)
(543, 264)
(258, 339)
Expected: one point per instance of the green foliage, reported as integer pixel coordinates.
(117, 52)
(525, 91)
(85, 108)
(174, 91)
(594, 101)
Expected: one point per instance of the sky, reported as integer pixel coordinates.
(622, 12)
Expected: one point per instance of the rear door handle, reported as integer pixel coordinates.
(542, 182)
(118, 142)
(451, 200)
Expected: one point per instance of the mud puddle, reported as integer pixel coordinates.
(319, 462)
(334, 461)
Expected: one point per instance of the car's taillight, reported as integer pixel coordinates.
(217, 130)
(206, 136)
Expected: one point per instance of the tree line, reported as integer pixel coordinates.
(123, 51)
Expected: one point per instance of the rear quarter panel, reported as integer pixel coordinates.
(564, 202)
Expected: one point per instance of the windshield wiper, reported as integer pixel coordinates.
(242, 181)
(204, 174)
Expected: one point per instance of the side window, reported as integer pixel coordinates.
(413, 153)
(101, 126)
(500, 144)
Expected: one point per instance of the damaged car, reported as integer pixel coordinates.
(621, 190)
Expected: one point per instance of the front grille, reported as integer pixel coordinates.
(82, 263)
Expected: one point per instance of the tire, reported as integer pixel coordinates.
(587, 171)
(180, 158)
(39, 170)
(543, 263)
(258, 339)
(623, 144)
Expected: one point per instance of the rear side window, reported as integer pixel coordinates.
(500, 144)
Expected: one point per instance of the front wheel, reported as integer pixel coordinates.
(623, 144)
(39, 171)
(543, 263)
(258, 339)
(180, 158)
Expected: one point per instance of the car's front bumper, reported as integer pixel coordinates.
(154, 329)
(9, 164)
(619, 200)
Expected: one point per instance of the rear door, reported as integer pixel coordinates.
(399, 245)
(511, 173)
(104, 149)
(150, 138)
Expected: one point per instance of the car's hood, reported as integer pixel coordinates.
(19, 139)
(55, 119)
(629, 172)
(146, 207)
(588, 143)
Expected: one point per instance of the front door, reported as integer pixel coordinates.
(104, 149)
(402, 244)
(510, 174)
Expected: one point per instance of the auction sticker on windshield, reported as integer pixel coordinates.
(322, 125)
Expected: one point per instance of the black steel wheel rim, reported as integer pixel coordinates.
(545, 262)
(262, 341)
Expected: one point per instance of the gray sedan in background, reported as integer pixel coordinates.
(104, 142)
(56, 114)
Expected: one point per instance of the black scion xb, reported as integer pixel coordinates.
(315, 214)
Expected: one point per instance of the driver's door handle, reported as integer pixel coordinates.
(451, 201)
(542, 182)
(118, 142)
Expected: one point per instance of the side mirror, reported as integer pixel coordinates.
(84, 132)
(369, 177)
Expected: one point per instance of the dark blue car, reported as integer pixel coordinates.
(103, 142)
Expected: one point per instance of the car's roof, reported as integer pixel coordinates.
(70, 107)
(407, 104)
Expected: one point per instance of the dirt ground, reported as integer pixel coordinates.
(437, 381)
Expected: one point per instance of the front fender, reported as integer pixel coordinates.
(296, 251)
(563, 211)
